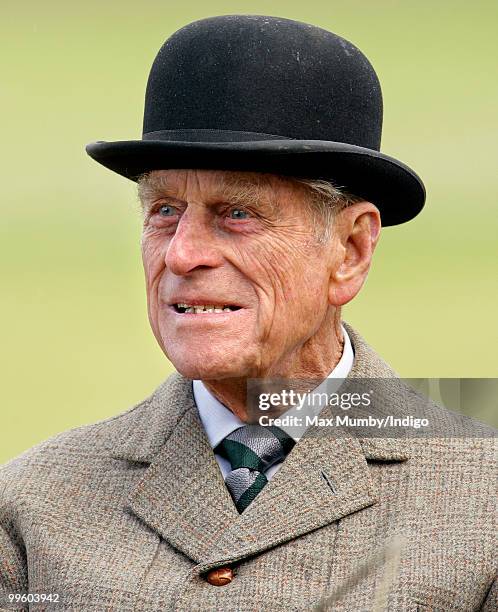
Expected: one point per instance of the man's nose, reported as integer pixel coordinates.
(193, 245)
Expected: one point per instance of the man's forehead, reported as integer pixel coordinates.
(215, 182)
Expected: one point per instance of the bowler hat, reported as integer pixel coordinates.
(267, 94)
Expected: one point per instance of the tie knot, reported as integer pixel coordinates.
(255, 447)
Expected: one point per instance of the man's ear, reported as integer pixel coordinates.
(356, 231)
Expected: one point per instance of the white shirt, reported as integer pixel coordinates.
(219, 421)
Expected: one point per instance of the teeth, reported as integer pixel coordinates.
(199, 309)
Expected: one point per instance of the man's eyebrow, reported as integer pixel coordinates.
(151, 187)
(237, 190)
(241, 190)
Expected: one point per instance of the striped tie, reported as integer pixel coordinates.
(251, 450)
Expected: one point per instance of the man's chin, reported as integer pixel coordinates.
(205, 369)
(211, 358)
(206, 373)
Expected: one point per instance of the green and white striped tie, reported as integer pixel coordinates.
(251, 450)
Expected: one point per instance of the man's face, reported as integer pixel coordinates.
(243, 245)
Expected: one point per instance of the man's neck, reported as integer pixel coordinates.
(317, 358)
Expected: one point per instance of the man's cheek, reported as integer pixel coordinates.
(153, 262)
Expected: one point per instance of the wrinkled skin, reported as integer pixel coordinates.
(257, 251)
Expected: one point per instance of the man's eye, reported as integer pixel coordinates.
(238, 213)
(166, 210)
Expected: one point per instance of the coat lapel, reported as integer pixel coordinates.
(323, 479)
(182, 494)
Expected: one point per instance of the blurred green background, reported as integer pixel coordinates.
(76, 343)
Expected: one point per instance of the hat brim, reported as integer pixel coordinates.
(393, 187)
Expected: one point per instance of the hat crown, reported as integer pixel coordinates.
(263, 75)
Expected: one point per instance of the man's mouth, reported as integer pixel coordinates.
(204, 308)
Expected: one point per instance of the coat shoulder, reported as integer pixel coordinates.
(449, 438)
(91, 446)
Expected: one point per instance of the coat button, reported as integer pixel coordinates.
(220, 576)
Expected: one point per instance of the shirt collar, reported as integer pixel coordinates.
(219, 421)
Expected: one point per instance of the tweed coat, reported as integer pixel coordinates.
(131, 512)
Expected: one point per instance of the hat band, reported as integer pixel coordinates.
(199, 135)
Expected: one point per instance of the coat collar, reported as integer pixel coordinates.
(182, 494)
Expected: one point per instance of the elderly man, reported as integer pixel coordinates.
(263, 192)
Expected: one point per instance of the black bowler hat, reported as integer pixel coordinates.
(267, 94)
